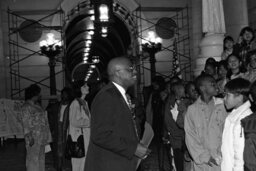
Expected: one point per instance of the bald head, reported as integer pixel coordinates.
(116, 64)
(121, 71)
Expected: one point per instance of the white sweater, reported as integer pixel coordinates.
(233, 139)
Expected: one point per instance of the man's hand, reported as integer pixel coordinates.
(212, 162)
(142, 152)
(29, 139)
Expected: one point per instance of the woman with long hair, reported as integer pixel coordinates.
(79, 121)
(228, 44)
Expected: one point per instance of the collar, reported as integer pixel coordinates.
(121, 90)
(214, 100)
(244, 109)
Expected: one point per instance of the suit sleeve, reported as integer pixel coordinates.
(199, 154)
(103, 131)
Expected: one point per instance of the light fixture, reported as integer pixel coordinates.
(86, 50)
(51, 48)
(86, 54)
(85, 58)
(91, 32)
(91, 11)
(92, 17)
(92, 66)
(50, 44)
(104, 30)
(88, 43)
(151, 45)
(95, 59)
(103, 11)
(104, 35)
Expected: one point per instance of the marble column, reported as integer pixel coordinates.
(195, 22)
(213, 25)
(236, 16)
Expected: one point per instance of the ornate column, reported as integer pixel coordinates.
(236, 16)
(213, 25)
(52, 64)
(195, 11)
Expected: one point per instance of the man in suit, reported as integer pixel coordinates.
(114, 143)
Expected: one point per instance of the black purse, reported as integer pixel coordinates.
(75, 149)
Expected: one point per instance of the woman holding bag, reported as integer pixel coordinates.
(79, 121)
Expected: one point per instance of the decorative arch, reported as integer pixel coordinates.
(80, 16)
(119, 9)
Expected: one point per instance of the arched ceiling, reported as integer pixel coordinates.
(76, 35)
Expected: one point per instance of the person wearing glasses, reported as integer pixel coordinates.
(114, 143)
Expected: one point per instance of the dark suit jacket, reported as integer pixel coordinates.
(177, 134)
(113, 138)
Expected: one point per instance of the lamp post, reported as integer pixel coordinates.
(51, 48)
(152, 45)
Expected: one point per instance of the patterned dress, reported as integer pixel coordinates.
(35, 124)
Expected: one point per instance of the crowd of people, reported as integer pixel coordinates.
(209, 123)
(204, 120)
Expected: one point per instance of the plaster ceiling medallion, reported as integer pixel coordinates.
(165, 28)
(30, 31)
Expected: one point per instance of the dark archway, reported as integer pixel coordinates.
(115, 44)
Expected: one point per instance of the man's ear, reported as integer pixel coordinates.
(117, 74)
(201, 88)
(241, 97)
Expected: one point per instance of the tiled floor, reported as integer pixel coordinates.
(158, 160)
(12, 158)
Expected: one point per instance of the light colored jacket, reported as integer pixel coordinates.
(233, 139)
(203, 130)
(79, 120)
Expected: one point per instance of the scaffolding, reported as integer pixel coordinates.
(181, 38)
(175, 48)
(27, 66)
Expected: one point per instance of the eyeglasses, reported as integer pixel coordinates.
(129, 69)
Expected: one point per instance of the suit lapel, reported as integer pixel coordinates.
(126, 107)
(121, 98)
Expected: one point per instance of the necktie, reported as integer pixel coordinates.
(131, 107)
(129, 101)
